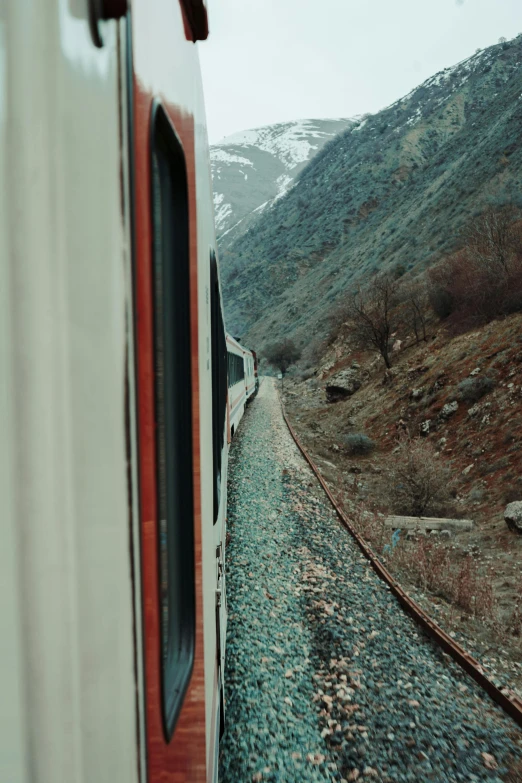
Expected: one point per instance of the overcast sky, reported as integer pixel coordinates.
(269, 61)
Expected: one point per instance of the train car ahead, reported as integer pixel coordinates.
(242, 381)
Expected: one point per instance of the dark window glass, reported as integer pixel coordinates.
(173, 399)
(219, 379)
(236, 369)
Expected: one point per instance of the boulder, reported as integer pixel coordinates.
(449, 409)
(343, 384)
(513, 516)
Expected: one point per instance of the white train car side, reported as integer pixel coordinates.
(241, 382)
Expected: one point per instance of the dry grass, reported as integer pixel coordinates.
(368, 524)
(436, 569)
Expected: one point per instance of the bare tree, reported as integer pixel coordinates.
(416, 301)
(370, 313)
(282, 354)
(492, 240)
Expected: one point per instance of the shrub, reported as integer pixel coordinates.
(358, 444)
(484, 280)
(472, 389)
(420, 481)
(440, 299)
(476, 495)
(308, 373)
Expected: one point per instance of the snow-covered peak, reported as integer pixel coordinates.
(292, 142)
(254, 168)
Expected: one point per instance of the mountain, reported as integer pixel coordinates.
(393, 190)
(254, 168)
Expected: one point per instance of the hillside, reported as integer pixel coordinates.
(254, 168)
(394, 189)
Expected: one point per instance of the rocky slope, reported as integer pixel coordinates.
(394, 189)
(477, 440)
(254, 168)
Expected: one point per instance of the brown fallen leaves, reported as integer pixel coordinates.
(369, 772)
(489, 761)
(315, 758)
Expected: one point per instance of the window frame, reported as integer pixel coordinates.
(219, 380)
(173, 413)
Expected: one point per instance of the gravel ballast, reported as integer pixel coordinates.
(326, 678)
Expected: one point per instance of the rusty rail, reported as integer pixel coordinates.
(511, 704)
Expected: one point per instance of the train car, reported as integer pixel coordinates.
(113, 415)
(241, 382)
(236, 384)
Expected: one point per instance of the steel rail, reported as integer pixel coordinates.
(511, 704)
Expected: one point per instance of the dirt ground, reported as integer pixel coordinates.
(480, 442)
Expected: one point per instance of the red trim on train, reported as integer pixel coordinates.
(184, 758)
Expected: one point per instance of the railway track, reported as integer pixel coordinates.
(510, 703)
(327, 677)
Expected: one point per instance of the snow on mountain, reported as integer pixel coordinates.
(290, 142)
(253, 168)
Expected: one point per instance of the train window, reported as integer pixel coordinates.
(219, 379)
(173, 401)
(236, 369)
